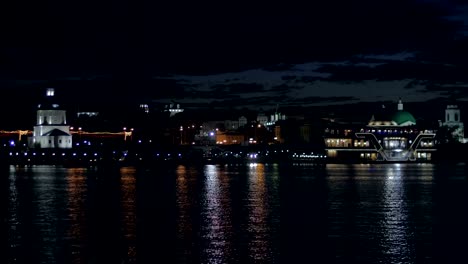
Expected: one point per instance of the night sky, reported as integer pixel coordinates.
(236, 53)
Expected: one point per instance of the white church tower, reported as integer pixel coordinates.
(400, 105)
(51, 129)
(452, 119)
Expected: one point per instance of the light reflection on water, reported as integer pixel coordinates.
(35, 214)
(129, 214)
(381, 212)
(238, 211)
(258, 226)
(78, 233)
(258, 213)
(12, 214)
(396, 243)
(216, 213)
(52, 215)
(184, 202)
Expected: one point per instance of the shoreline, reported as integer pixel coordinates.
(148, 157)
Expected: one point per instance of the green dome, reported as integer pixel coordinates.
(401, 117)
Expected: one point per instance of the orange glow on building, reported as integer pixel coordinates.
(229, 138)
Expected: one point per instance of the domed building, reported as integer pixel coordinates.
(398, 118)
(390, 135)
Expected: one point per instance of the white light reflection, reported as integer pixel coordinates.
(217, 213)
(13, 220)
(49, 205)
(396, 244)
(259, 247)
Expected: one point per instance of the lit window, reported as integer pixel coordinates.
(50, 92)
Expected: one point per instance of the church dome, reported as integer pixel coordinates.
(403, 118)
(393, 118)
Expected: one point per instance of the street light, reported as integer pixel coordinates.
(181, 135)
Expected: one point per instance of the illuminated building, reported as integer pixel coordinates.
(145, 108)
(207, 132)
(235, 124)
(51, 129)
(453, 120)
(278, 135)
(388, 136)
(173, 109)
(88, 114)
(262, 118)
(275, 118)
(229, 138)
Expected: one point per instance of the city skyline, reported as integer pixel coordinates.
(232, 55)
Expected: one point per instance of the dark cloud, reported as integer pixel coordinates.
(243, 88)
(225, 91)
(415, 84)
(284, 88)
(303, 79)
(232, 80)
(106, 51)
(320, 100)
(216, 94)
(449, 91)
(279, 67)
(288, 77)
(396, 70)
(270, 101)
(261, 101)
(308, 79)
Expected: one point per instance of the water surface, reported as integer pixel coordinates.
(255, 213)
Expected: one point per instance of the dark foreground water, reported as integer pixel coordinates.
(386, 213)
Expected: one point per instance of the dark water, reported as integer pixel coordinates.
(386, 213)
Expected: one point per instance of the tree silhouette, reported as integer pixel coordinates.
(445, 135)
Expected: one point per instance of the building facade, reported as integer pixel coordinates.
(51, 129)
(453, 121)
(173, 109)
(229, 138)
(388, 136)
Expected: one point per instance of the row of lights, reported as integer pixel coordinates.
(124, 129)
(43, 154)
(390, 131)
(308, 156)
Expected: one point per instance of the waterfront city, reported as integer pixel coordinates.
(170, 134)
(164, 185)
